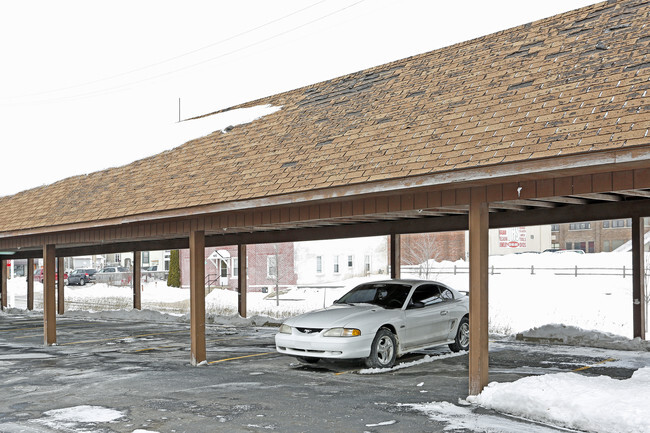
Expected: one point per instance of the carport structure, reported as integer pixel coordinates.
(543, 123)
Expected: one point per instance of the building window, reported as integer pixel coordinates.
(579, 226)
(555, 227)
(145, 257)
(606, 247)
(224, 269)
(605, 224)
(350, 264)
(617, 224)
(118, 258)
(336, 264)
(319, 265)
(271, 266)
(167, 256)
(235, 267)
(569, 246)
(592, 247)
(366, 264)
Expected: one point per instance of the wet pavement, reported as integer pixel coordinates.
(142, 371)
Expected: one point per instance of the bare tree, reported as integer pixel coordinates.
(419, 249)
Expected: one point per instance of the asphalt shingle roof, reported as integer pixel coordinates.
(573, 83)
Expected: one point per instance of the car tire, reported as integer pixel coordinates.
(82, 281)
(461, 342)
(308, 359)
(383, 351)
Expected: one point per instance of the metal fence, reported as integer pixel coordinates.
(422, 272)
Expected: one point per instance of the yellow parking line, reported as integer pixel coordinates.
(345, 372)
(240, 357)
(155, 348)
(120, 338)
(594, 365)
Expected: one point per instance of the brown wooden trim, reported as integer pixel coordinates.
(478, 283)
(30, 284)
(197, 297)
(49, 308)
(242, 283)
(638, 275)
(3, 284)
(137, 280)
(395, 256)
(60, 285)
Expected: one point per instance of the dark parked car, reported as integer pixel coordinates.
(81, 276)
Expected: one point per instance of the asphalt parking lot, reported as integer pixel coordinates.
(141, 370)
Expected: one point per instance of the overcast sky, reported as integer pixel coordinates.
(87, 85)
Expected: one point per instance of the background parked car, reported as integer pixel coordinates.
(38, 276)
(114, 275)
(81, 276)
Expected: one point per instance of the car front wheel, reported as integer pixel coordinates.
(461, 342)
(383, 351)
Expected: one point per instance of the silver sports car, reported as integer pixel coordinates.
(380, 321)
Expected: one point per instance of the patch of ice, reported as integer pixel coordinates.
(70, 417)
(391, 422)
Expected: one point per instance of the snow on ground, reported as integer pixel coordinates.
(594, 404)
(72, 418)
(535, 295)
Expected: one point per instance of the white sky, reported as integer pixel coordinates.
(90, 85)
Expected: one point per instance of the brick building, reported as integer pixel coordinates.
(594, 236)
(418, 248)
(268, 264)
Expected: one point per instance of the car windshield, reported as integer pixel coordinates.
(387, 295)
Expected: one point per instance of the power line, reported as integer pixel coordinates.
(170, 59)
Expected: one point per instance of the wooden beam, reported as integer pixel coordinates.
(478, 283)
(599, 196)
(60, 286)
(242, 283)
(395, 256)
(3, 284)
(49, 309)
(197, 296)
(638, 283)
(30, 284)
(137, 280)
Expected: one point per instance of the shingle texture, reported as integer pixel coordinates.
(573, 83)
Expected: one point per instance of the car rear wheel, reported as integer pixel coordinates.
(383, 350)
(82, 281)
(461, 342)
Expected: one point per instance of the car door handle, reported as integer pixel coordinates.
(444, 312)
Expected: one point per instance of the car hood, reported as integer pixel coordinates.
(338, 315)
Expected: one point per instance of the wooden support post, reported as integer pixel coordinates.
(197, 296)
(137, 280)
(49, 309)
(395, 256)
(30, 284)
(60, 285)
(478, 284)
(638, 274)
(242, 283)
(3, 284)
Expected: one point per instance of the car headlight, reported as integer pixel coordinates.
(285, 329)
(342, 332)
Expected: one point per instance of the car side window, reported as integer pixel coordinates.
(446, 294)
(427, 294)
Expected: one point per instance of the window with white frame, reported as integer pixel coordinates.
(366, 265)
(350, 262)
(319, 265)
(336, 264)
(235, 267)
(271, 266)
(145, 257)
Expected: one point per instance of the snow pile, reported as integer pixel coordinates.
(574, 336)
(195, 128)
(426, 359)
(595, 404)
(69, 418)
